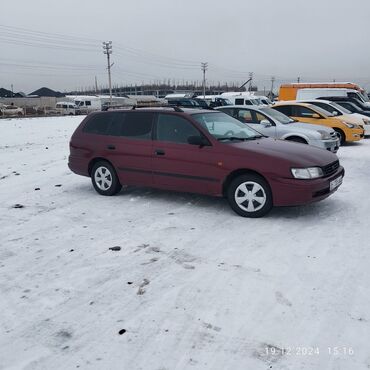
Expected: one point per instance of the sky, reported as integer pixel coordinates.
(59, 44)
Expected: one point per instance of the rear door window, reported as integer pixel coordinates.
(239, 101)
(99, 124)
(304, 112)
(137, 125)
(286, 109)
(245, 115)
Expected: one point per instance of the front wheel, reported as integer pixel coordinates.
(341, 136)
(105, 179)
(250, 196)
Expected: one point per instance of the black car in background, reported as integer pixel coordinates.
(346, 99)
(353, 108)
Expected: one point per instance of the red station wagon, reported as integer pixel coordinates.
(200, 151)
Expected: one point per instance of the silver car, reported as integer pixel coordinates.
(270, 122)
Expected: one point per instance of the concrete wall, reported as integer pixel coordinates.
(32, 101)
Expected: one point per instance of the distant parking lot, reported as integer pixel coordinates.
(192, 285)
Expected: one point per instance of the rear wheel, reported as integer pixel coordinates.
(341, 136)
(250, 196)
(105, 179)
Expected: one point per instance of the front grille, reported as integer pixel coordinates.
(330, 168)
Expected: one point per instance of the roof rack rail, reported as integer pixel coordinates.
(175, 108)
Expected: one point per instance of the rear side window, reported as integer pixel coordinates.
(174, 129)
(239, 101)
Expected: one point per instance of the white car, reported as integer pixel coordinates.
(341, 112)
(272, 123)
(11, 111)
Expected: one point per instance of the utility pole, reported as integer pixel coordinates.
(272, 86)
(298, 80)
(12, 90)
(250, 80)
(204, 68)
(96, 85)
(107, 50)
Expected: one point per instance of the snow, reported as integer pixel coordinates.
(208, 289)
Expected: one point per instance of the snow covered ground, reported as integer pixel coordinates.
(194, 286)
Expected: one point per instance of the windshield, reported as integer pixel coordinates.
(224, 127)
(364, 96)
(276, 115)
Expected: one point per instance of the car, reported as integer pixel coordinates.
(347, 99)
(200, 151)
(309, 113)
(11, 111)
(272, 123)
(342, 113)
(183, 102)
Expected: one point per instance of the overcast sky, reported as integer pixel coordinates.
(58, 43)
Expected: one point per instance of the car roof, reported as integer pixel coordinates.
(287, 102)
(255, 107)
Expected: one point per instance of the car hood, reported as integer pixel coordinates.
(350, 118)
(309, 127)
(295, 154)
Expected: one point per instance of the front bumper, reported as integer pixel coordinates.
(367, 130)
(291, 192)
(330, 145)
(355, 134)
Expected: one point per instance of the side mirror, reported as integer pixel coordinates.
(265, 123)
(335, 113)
(198, 140)
(315, 115)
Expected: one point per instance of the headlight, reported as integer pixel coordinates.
(324, 135)
(307, 173)
(350, 125)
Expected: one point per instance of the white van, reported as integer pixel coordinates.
(87, 104)
(241, 98)
(308, 94)
(65, 108)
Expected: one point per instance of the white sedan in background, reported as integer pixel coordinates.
(272, 123)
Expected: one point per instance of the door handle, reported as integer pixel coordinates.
(160, 152)
(111, 147)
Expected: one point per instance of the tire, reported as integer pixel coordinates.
(254, 187)
(296, 139)
(105, 179)
(341, 135)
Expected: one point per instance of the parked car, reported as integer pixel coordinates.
(66, 108)
(347, 99)
(11, 111)
(342, 113)
(215, 100)
(274, 124)
(308, 113)
(202, 103)
(200, 151)
(183, 102)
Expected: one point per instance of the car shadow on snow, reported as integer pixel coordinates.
(330, 207)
